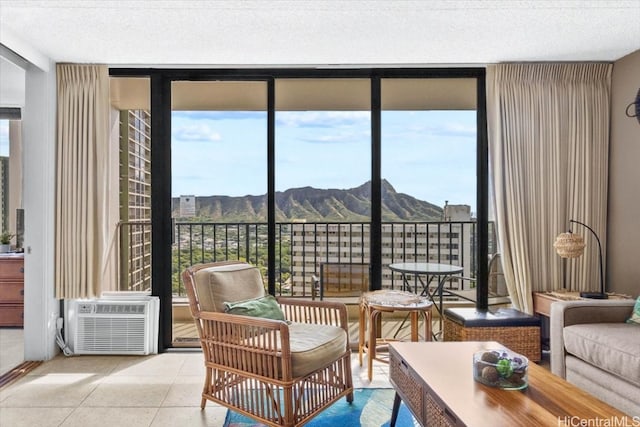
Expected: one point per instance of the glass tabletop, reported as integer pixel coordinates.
(425, 268)
(391, 298)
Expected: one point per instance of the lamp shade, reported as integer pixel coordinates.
(569, 245)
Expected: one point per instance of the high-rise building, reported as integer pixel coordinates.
(187, 206)
(446, 242)
(135, 199)
(4, 192)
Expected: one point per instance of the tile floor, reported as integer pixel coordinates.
(11, 348)
(131, 391)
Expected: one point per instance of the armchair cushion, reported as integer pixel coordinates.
(635, 314)
(266, 307)
(314, 345)
(227, 283)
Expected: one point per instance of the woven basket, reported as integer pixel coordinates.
(521, 339)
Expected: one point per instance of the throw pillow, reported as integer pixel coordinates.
(266, 307)
(635, 315)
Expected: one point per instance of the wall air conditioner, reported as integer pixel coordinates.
(117, 323)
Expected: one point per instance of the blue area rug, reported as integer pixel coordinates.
(371, 407)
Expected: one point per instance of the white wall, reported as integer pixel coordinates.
(38, 133)
(11, 84)
(623, 240)
(41, 309)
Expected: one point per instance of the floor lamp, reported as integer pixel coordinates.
(570, 245)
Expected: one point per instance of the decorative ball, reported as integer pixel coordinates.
(502, 368)
(490, 374)
(489, 357)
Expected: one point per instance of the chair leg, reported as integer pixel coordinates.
(205, 388)
(350, 398)
(348, 377)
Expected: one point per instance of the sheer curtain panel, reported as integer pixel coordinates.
(82, 199)
(549, 140)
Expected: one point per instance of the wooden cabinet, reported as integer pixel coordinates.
(11, 290)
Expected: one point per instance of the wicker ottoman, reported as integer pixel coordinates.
(514, 329)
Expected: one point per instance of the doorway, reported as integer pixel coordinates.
(218, 183)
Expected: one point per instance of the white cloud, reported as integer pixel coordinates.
(195, 132)
(219, 115)
(322, 119)
(335, 137)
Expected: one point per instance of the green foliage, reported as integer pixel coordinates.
(183, 258)
(5, 237)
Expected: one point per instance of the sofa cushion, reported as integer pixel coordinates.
(227, 283)
(635, 314)
(611, 346)
(314, 346)
(607, 387)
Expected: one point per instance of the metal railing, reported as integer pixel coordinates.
(300, 249)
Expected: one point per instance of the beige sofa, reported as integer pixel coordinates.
(594, 349)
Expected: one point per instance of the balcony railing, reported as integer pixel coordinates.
(300, 249)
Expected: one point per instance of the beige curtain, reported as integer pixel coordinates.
(548, 136)
(84, 228)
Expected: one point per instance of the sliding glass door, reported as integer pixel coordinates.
(218, 182)
(428, 166)
(323, 179)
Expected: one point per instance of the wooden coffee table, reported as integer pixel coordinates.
(435, 380)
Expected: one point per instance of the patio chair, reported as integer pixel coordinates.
(282, 370)
(342, 280)
(498, 294)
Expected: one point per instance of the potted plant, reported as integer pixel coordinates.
(5, 241)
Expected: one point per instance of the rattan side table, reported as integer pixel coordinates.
(373, 304)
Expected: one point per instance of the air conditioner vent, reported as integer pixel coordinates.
(114, 326)
(111, 335)
(122, 309)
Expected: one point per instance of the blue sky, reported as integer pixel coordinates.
(430, 155)
(427, 154)
(4, 137)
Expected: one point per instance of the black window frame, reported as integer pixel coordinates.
(161, 224)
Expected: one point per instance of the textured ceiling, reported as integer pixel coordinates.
(323, 33)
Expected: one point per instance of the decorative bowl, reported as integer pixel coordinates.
(501, 368)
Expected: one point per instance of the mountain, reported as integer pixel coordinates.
(316, 205)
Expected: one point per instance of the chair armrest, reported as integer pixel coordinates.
(567, 313)
(248, 345)
(317, 312)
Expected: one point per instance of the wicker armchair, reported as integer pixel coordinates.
(281, 373)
